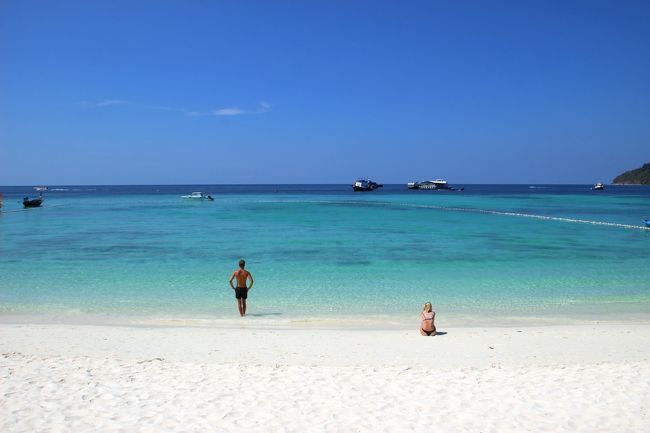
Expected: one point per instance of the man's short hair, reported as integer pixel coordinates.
(242, 263)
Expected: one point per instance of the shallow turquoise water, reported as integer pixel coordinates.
(328, 253)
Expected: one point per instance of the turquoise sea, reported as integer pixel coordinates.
(323, 252)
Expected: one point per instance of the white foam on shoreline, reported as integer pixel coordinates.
(359, 322)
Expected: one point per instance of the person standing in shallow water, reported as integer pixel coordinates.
(241, 291)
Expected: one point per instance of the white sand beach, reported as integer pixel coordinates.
(571, 378)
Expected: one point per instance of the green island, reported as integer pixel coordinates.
(639, 176)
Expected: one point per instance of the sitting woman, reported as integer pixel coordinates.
(428, 328)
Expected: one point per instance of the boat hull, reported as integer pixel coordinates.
(431, 187)
(198, 197)
(365, 185)
(37, 202)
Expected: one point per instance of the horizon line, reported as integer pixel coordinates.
(280, 183)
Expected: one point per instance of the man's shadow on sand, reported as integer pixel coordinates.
(441, 333)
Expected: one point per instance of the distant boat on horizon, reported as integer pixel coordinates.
(197, 195)
(598, 187)
(438, 184)
(41, 188)
(365, 185)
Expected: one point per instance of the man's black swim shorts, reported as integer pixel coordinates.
(241, 293)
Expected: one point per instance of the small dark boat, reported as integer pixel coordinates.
(34, 202)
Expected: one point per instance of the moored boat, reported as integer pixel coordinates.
(365, 185)
(197, 195)
(33, 202)
(432, 185)
(598, 187)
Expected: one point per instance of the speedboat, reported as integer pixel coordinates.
(365, 185)
(432, 184)
(197, 195)
(33, 202)
(598, 187)
(41, 188)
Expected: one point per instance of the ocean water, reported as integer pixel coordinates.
(319, 252)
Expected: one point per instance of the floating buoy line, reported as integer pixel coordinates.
(475, 210)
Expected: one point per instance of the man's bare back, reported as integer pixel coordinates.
(241, 291)
(241, 275)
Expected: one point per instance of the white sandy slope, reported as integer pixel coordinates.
(64, 378)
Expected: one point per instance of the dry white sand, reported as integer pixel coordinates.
(66, 378)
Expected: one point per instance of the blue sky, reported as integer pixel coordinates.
(149, 92)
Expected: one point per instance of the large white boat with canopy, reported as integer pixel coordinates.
(429, 184)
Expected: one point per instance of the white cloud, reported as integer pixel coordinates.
(229, 112)
(262, 107)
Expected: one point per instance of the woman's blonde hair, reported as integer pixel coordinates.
(429, 309)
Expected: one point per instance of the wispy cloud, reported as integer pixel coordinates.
(262, 107)
(228, 112)
(103, 103)
(165, 108)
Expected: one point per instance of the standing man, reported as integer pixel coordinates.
(241, 291)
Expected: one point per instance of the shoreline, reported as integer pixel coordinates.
(274, 320)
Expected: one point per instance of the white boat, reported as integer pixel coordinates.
(598, 187)
(197, 195)
(41, 188)
(429, 184)
(365, 185)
